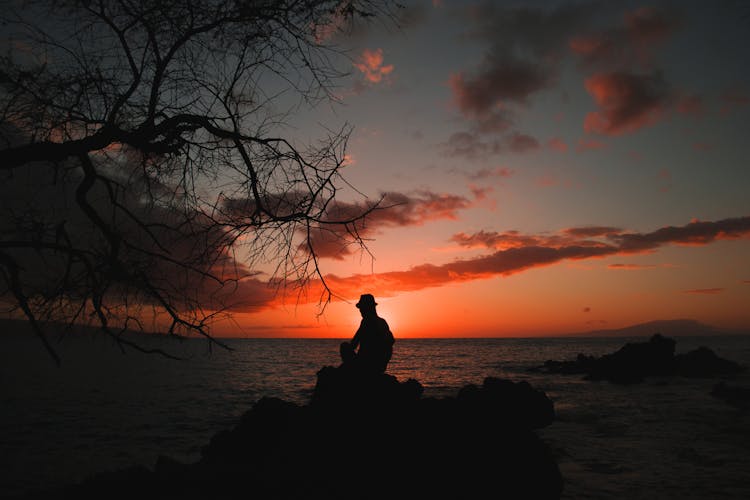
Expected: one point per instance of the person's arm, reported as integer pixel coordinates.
(388, 333)
(355, 339)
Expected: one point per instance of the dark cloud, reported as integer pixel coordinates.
(331, 239)
(627, 101)
(473, 146)
(495, 121)
(591, 231)
(694, 233)
(487, 173)
(651, 26)
(504, 78)
(629, 44)
(629, 91)
(469, 145)
(522, 143)
(523, 47)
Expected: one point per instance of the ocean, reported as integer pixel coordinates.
(666, 438)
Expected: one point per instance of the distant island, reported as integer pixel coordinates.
(669, 327)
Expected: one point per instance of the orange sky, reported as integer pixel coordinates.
(559, 171)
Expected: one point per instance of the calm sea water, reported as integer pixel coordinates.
(666, 438)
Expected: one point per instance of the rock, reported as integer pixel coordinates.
(369, 438)
(702, 362)
(351, 388)
(508, 403)
(581, 365)
(635, 361)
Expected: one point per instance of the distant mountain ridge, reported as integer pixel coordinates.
(668, 327)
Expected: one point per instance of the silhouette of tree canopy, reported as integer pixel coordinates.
(146, 160)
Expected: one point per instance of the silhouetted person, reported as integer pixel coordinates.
(373, 337)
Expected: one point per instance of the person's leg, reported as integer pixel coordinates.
(386, 359)
(347, 353)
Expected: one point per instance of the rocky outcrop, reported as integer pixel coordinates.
(365, 436)
(635, 361)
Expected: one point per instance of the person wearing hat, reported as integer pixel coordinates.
(373, 337)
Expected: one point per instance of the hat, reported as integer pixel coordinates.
(366, 300)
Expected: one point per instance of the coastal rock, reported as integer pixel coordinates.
(364, 437)
(507, 403)
(703, 362)
(635, 361)
(344, 387)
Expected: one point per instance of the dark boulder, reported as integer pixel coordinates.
(503, 402)
(703, 362)
(366, 437)
(344, 387)
(633, 362)
(581, 365)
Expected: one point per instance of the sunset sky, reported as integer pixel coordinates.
(556, 167)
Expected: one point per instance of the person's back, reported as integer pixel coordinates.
(375, 343)
(373, 337)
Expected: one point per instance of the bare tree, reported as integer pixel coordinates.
(146, 167)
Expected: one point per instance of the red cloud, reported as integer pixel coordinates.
(516, 252)
(499, 241)
(627, 102)
(371, 65)
(520, 252)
